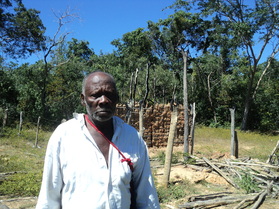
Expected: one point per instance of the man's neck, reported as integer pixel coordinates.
(106, 127)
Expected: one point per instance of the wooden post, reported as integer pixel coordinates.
(129, 108)
(236, 145)
(274, 154)
(20, 123)
(37, 132)
(5, 118)
(141, 128)
(193, 127)
(185, 103)
(234, 141)
(167, 167)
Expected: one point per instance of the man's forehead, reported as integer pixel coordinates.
(100, 77)
(97, 81)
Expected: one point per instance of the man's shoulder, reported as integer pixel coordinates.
(76, 121)
(121, 123)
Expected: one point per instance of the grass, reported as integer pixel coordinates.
(254, 145)
(208, 142)
(17, 153)
(173, 192)
(19, 157)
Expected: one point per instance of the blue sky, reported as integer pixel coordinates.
(101, 21)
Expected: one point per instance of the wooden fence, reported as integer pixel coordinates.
(156, 123)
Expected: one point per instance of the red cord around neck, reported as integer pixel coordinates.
(128, 160)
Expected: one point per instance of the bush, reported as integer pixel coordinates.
(247, 183)
(21, 184)
(174, 159)
(173, 192)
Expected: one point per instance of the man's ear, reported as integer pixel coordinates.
(82, 99)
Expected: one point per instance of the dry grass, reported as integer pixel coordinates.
(217, 141)
(212, 143)
(254, 145)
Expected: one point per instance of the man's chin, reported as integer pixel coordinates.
(103, 117)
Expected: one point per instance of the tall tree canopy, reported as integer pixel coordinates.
(248, 27)
(225, 41)
(21, 29)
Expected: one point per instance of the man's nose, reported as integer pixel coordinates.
(104, 99)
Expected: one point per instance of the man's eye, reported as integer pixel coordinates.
(111, 96)
(95, 95)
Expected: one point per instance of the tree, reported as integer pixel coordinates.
(175, 37)
(64, 86)
(21, 29)
(265, 111)
(8, 93)
(28, 81)
(250, 29)
(135, 52)
(58, 39)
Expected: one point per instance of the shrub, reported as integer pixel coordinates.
(175, 157)
(173, 192)
(247, 183)
(21, 184)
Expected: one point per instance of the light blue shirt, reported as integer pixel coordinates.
(76, 174)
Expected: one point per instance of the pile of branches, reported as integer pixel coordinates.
(264, 176)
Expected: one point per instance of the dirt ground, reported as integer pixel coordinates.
(178, 174)
(214, 183)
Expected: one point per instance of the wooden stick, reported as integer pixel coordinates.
(37, 132)
(220, 172)
(276, 148)
(260, 200)
(215, 202)
(255, 164)
(208, 196)
(247, 200)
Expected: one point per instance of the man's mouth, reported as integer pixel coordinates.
(104, 111)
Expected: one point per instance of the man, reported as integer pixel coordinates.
(97, 160)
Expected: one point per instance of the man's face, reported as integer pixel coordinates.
(100, 97)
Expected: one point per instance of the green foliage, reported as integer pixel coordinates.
(64, 90)
(8, 93)
(175, 157)
(21, 29)
(79, 50)
(187, 159)
(173, 192)
(22, 162)
(29, 82)
(247, 183)
(220, 70)
(10, 163)
(21, 184)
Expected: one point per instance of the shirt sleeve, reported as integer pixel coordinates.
(143, 183)
(50, 193)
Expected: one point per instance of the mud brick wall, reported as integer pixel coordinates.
(156, 123)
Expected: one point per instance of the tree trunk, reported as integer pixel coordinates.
(185, 102)
(135, 86)
(247, 105)
(234, 141)
(5, 118)
(20, 123)
(193, 127)
(146, 84)
(167, 167)
(37, 132)
(131, 87)
(210, 98)
(141, 128)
